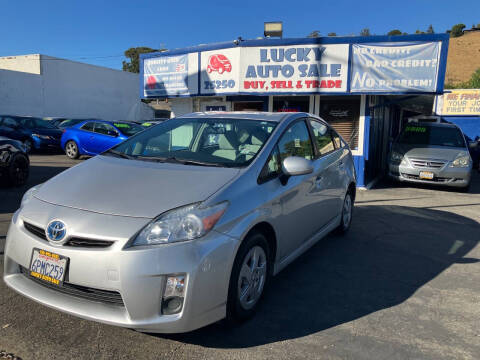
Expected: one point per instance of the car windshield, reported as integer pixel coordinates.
(199, 141)
(34, 123)
(431, 135)
(67, 123)
(128, 129)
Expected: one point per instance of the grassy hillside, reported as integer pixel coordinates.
(463, 58)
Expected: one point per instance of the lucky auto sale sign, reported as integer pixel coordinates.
(296, 68)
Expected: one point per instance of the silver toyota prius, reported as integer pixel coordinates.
(184, 223)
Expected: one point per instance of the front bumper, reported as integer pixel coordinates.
(138, 274)
(44, 144)
(446, 175)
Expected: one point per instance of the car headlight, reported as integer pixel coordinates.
(462, 160)
(396, 157)
(29, 194)
(182, 224)
(46, 137)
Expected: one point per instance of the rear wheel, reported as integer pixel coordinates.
(28, 144)
(249, 277)
(18, 170)
(347, 214)
(71, 149)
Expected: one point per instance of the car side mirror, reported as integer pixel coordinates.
(295, 166)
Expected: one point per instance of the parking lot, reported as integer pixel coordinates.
(403, 284)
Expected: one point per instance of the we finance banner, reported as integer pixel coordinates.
(393, 67)
(460, 102)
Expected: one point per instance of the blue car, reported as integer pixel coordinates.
(34, 133)
(92, 137)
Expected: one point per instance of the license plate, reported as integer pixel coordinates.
(48, 266)
(427, 175)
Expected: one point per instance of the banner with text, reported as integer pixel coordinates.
(295, 69)
(390, 67)
(170, 75)
(460, 102)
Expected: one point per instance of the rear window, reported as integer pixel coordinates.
(431, 135)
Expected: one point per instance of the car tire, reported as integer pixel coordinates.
(28, 145)
(249, 277)
(346, 215)
(18, 170)
(71, 149)
(465, 189)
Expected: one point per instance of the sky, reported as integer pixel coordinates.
(98, 32)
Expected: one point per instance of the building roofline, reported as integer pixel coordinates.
(299, 41)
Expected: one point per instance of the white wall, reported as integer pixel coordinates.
(71, 89)
(181, 106)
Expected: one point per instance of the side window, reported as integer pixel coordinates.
(105, 129)
(88, 126)
(181, 137)
(336, 140)
(272, 167)
(296, 142)
(323, 137)
(9, 122)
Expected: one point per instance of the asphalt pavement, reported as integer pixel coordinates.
(404, 283)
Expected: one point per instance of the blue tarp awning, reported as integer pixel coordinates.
(470, 125)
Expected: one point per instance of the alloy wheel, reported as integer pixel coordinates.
(347, 211)
(252, 277)
(28, 145)
(71, 149)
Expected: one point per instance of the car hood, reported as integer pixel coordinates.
(134, 188)
(57, 133)
(429, 152)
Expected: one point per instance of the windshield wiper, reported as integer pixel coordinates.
(119, 154)
(173, 159)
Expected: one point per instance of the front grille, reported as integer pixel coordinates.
(426, 163)
(72, 242)
(84, 292)
(35, 230)
(80, 242)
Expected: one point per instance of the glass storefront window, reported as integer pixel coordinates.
(291, 103)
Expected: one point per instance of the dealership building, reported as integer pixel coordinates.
(365, 87)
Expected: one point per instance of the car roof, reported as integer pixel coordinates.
(427, 123)
(244, 115)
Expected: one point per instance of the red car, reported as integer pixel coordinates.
(220, 63)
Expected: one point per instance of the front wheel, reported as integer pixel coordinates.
(71, 149)
(347, 214)
(18, 170)
(249, 277)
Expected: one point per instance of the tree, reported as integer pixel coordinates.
(332, 34)
(475, 80)
(419, 32)
(134, 55)
(430, 29)
(314, 34)
(457, 30)
(365, 32)
(394, 32)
